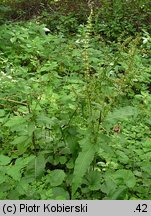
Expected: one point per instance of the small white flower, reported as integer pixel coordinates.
(77, 41)
(3, 74)
(47, 31)
(145, 40)
(9, 77)
(14, 81)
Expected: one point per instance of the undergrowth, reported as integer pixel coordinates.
(74, 114)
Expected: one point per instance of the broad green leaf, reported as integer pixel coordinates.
(62, 159)
(94, 178)
(15, 121)
(40, 165)
(146, 167)
(82, 163)
(2, 113)
(3, 178)
(22, 147)
(50, 66)
(60, 193)
(21, 140)
(46, 120)
(109, 185)
(46, 194)
(127, 176)
(70, 164)
(3, 195)
(122, 113)
(119, 193)
(122, 157)
(31, 128)
(14, 172)
(4, 160)
(22, 187)
(29, 174)
(56, 177)
(23, 162)
(76, 53)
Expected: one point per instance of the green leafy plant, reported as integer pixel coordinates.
(74, 110)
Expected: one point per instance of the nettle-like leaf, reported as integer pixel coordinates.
(122, 157)
(82, 163)
(15, 171)
(127, 176)
(118, 115)
(40, 163)
(118, 193)
(22, 143)
(94, 180)
(122, 113)
(15, 122)
(3, 177)
(21, 140)
(43, 119)
(145, 166)
(59, 193)
(56, 177)
(109, 184)
(4, 160)
(2, 113)
(118, 183)
(49, 66)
